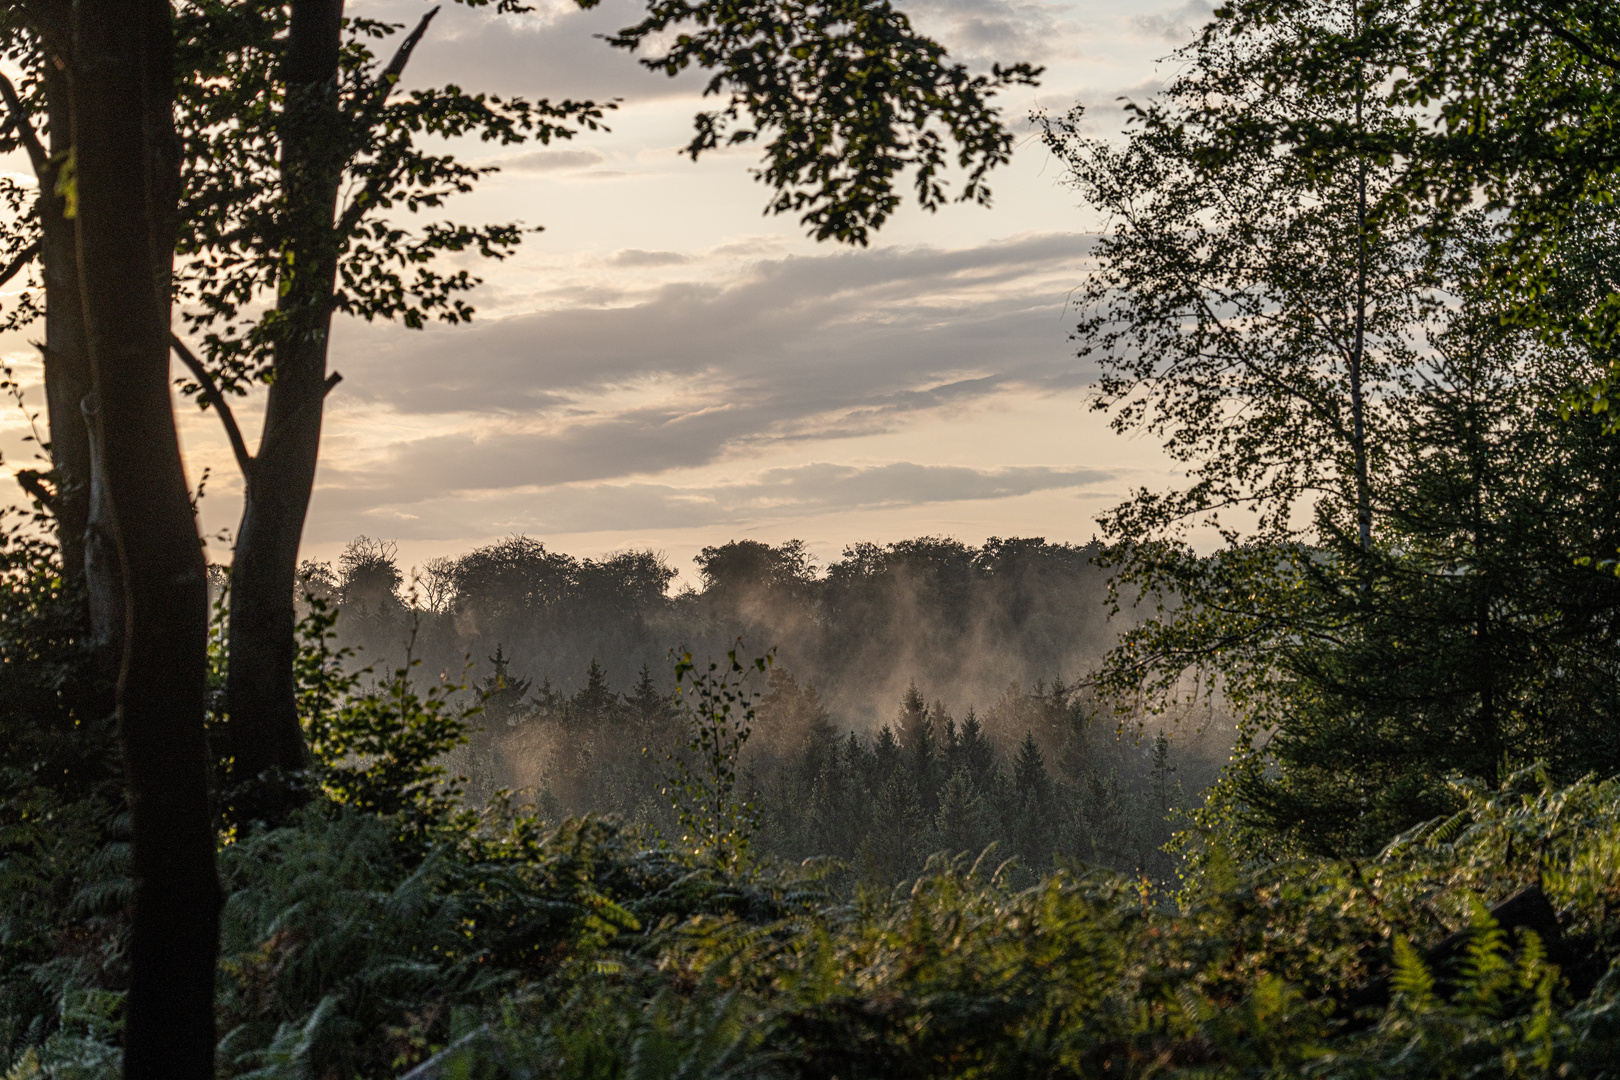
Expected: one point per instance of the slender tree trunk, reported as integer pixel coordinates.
(1358, 353)
(128, 185)
(66, 363)
(103, 570)
(83, 515)
(67, 368)
(266, 739)
(1488, 748)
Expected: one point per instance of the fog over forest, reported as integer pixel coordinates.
(898, 669)
(962, 622)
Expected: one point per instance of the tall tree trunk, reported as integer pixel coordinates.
(127, 169)
(265, 736)
(83, 516)
(1358, 356)
(67, 368)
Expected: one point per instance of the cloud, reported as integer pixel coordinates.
(773, 495)
(1176, 26)
(557, 51)
(546, 160)
(552, 52)
(981, 32)
(820, 486)
(795, 350)
(805, 326)
(637, 257)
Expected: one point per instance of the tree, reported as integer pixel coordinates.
(276, 126)
(741, 568)
(70, 489)
(502, 694)
(1291, 286)
(1334, 365)
(1512, 111)
(912, 724)
(123, 197)
(1472, 643)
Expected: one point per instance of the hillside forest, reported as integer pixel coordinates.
(1306, 765)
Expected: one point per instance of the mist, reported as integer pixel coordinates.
(961, 622)
(897, 671)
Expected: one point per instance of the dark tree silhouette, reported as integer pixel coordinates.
(126, 188)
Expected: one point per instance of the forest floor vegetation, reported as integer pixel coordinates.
(372, 936)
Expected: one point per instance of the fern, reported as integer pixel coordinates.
(1411, 979)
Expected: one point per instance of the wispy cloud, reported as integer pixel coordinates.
(633, 257)
(798, 350)
(776, 494)
(1176, 26)
(546, 160)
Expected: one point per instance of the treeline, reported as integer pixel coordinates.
(847, 757)
(961, 621)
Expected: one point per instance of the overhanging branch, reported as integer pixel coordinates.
(386, 79)
(367, 115)
(211, 394)
(396, 67)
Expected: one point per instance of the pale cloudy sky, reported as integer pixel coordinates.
(664, 367)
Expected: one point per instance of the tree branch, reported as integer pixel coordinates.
(32, 481)
(358, 206)
(24, 257)
(389, 76)
(396, 67)
(212, 395)
(1574, 41)
(331, 381)
(25, 130)
(367, 116)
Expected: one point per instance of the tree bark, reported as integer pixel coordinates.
(127, 177)
(67, 366)
(265, 737)
(1358, 355)
(83, 517)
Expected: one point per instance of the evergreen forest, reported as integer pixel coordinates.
(1306, 765)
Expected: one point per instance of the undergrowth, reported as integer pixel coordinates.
(388, 925)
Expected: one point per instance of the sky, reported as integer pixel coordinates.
(665, 367)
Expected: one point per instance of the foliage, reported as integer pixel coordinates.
(1396, 601)
(847, 95)
(1248, 974)
(340, 957)
(1296, 288)
(1513, 111)
(235, 114)
(64, 885)
(719, 717)
(379, 748)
